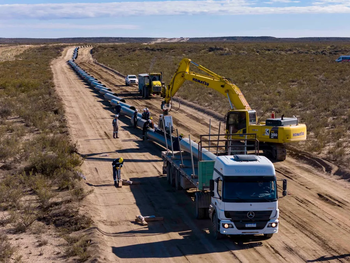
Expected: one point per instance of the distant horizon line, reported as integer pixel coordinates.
(158, 40)
(169, 37)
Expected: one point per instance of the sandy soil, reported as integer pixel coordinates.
(8, 53)
(315, 224)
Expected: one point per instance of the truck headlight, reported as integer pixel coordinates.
(273, 225)
(227, 225)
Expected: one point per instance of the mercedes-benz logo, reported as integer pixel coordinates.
(250, 214)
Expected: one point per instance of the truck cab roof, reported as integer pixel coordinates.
(244, 165)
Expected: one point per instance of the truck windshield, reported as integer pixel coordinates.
(249, 189)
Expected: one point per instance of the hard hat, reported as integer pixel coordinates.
(117, 102)
(150, 118)
(116, 116)
(121, 160)
(146, 109)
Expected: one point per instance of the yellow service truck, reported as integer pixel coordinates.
(150, 84)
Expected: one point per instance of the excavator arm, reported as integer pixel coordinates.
(212, 80)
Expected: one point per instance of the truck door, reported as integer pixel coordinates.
(218, 201)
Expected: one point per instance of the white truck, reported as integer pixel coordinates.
(238, 192)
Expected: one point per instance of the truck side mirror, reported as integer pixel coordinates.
(211, 185)
(284, 193)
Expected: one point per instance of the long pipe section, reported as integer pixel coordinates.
(186, 146)
(154, 135)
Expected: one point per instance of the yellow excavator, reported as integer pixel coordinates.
(241, 119)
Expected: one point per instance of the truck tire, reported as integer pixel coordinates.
(141, 92)
(177, 180)
(172, 176)
(215, 227)
(145, 92)
(267, 236)
(200, 212)
(168, 171)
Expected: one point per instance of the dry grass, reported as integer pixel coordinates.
(300, 79)
(38, 162)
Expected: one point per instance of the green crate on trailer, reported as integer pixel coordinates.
(205, 173)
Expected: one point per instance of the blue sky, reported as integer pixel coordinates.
(168, 18)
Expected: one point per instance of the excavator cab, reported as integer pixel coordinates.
(237, 120)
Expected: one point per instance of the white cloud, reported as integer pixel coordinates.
(327, 2)
(122, 9)
(282, 1)
(69, 26)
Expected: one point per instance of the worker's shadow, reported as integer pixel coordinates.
(99, 185)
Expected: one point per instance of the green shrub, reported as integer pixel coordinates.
(6, 250)
(300, 79)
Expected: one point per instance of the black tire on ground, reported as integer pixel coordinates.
(177, 180)
(268, 236)
(215, 228)
(145, 93)
(168, 173)
(172, 176)
(200, 212)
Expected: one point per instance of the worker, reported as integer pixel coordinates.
(144, 129)
(118, 108)
(151, 124)
(242, 122)
(135, 118)
(117, 165)
(146, 114)
(115, 126)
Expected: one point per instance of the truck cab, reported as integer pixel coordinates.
(244, 196)
(150, 83)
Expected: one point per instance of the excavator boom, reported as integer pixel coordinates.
(212, 80)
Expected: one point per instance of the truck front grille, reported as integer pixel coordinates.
(157, 89)
(248, 216)
(243, 219)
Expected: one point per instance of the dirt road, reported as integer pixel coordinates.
(315, 224)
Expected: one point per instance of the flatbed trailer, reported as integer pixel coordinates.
(238, 192)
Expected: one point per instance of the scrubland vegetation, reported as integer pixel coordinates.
(300, 79)
(39, 182)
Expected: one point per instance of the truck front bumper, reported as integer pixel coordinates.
(231, 229)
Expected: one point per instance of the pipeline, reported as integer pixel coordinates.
(205, 154)
(152, 134)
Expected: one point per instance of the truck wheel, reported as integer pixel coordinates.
(141, 92)
(168, 173)
(177, 180)
(267, 236)
(145, 93)
(200, 212)
(215, 227)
